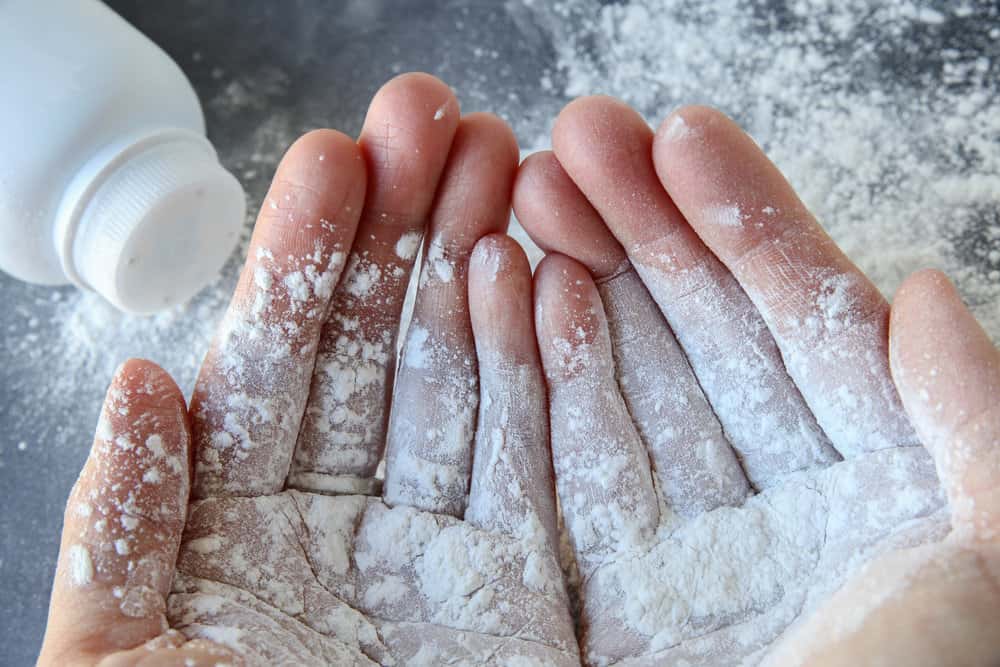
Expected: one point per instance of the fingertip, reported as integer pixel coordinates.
(494, 135)
(935, 340)
(558, 217)
(537, 162)
(407, 132)
(421, 89)
(317, 157)
(141, 390)
(595, 123)
(535, 177)
(146, 377)
(497, 258)
(586, 110)
(500, 301)
(317, 141)
(605, 147)
(947, 372)
(919, 285)
(473, 197)
(926, 306)
(550, 273)
(689, 122)
(569, 320)
(316, 195)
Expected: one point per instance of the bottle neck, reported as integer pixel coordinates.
(149, 224)
(93, 187)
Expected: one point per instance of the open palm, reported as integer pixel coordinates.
(728, 442)
(727, 439)
(291, 410)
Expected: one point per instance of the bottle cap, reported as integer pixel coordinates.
(156, 224)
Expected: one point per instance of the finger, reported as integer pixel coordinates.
(559, 218)
(250, 395)
(602, 473)
(511, 490)
(828, 319)
(431, 427)
(123, 522)
(405, 141)
(692, 461)
(606, 147)
(948, 375)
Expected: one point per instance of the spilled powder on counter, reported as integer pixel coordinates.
(883, 121)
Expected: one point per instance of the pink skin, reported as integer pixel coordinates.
(707, 219)
(948, 375)
(257, 567)
(649, 237)
(694, 464)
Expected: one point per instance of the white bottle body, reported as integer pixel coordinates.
(80, 86)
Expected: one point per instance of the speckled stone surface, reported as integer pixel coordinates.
(266, 71)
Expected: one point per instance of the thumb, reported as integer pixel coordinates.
(948, 375)
(123, 522)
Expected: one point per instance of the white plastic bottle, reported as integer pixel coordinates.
(106, 177)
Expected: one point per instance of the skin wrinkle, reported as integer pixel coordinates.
(316, 577)
(622, 270)
(264, 597)
(761, 551)
(295, 533)
(295, 618)
(780, 588)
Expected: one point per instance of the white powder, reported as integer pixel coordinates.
(443, 268)
(154, 444)
(362, 277)
(416, 347)
(205, 545)
(310, 579)
(295, 283)
(898, 162)
(677, 129)
(81, 567)
(900, 167)
(408, 244)
(725, 216)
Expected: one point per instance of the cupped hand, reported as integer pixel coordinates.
(728, 442)
(251, 527)
(934, 604)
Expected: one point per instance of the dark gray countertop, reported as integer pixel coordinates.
(267, 71)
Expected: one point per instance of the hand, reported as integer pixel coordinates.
(276, 564)
(936, 604)
(727, 439)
